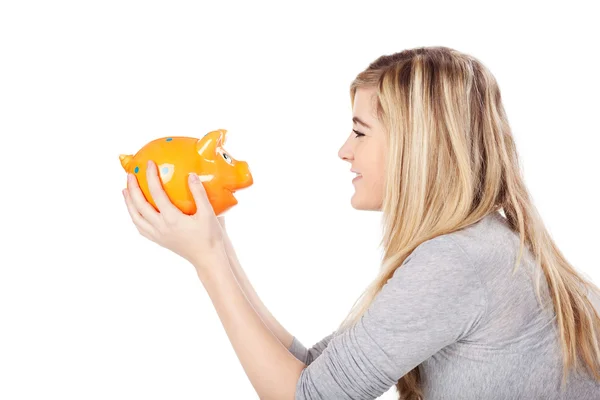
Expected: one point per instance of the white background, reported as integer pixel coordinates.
(89, 309)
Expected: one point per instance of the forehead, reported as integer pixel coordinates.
(365, 101)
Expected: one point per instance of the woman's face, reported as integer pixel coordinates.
(366, 154)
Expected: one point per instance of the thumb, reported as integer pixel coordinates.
(198, 191)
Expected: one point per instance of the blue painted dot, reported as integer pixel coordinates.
(136, 170)
(169, 139)
(165, 170)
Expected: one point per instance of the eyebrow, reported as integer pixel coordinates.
(358, 120)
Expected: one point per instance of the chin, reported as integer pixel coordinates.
(363, 205)
(360, 205)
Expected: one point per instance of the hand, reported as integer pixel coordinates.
(221, 220)
(197, 238)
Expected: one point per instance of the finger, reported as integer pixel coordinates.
(140, 202)
(158, 193)
(140, 222)
(199, 194)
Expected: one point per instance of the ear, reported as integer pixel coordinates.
(208, 144)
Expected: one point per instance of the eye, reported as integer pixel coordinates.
(358, 134)
(226, 157)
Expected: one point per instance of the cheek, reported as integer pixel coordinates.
(381, 167)
(377, 172)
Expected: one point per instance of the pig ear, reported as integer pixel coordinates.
(208, 144)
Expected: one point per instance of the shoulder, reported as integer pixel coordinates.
(438, 284)
(443, 250)
(440, 264)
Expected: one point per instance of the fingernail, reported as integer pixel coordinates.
(193, 177)
(149, 163)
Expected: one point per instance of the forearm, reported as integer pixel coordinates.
(271, 368)
(269, 320)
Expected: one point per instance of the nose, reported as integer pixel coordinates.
(245, 178)
(345, 152)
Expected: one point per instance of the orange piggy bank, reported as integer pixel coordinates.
(176, 157)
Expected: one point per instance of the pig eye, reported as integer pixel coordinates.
(226, 157)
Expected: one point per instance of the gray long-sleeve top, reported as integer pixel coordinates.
(455, 310)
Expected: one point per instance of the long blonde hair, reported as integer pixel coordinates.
(451, 161)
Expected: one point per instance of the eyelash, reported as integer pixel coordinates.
(358, 133)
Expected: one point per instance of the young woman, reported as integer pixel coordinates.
(473, 299)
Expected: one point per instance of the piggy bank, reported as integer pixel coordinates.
(175, 157)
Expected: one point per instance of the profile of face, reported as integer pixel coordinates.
(365, 150)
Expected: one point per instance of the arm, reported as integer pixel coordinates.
(273, 371)
(307, 356)
(292, 343)
(265, 315)
(431, 301)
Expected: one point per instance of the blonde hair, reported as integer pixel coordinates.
(451, 161)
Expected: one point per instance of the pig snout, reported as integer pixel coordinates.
(243, 176)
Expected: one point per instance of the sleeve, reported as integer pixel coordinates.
(305, 355)
(432, 300)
